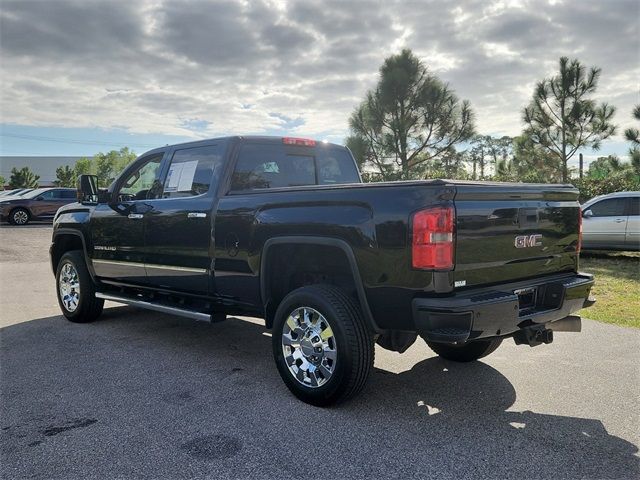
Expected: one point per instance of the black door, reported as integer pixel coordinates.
(117, 228)
(178, 227)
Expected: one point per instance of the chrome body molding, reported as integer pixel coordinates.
(153, 266)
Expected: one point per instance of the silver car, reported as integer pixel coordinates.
(612, 222)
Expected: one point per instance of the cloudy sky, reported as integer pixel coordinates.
(84, 76)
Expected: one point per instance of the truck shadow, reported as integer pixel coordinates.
(211, 392)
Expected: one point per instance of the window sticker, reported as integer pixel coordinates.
(180, 176)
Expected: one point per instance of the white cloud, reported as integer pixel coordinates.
(159, 66)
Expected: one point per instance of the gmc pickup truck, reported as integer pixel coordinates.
(284, 229)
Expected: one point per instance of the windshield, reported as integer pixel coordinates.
(33, 193)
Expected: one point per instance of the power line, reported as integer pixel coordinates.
(73, 141)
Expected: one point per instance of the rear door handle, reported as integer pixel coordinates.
(196, 215)
(135, 216)
(619, 220)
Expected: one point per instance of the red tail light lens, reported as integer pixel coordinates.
(432, 239)
(305, 142)
(579, 247)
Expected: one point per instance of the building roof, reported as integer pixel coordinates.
(43, 166)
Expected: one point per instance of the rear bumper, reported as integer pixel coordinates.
(497, 311)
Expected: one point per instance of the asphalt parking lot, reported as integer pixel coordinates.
(145, 395)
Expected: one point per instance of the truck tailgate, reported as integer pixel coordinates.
(507, 232)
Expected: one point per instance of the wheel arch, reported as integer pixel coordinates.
(270, 301)
(66, 240)
(22, 207)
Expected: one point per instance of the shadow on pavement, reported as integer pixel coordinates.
(149, 395)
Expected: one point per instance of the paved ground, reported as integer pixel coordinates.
(141, 394)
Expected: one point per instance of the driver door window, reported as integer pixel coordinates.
(142, 183)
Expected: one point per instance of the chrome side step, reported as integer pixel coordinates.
(203, 317)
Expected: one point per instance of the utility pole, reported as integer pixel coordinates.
(581, 166)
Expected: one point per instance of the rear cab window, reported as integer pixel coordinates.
(271, 165)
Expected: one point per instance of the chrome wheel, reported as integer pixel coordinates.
(69, 287)
(20, 217)
(309, 347)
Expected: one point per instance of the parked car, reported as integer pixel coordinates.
(612, 222)
(38, 204)
(283, 229)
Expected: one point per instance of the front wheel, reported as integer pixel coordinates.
(321, 345)
(467, 352)
(76, 291)
(19, 216)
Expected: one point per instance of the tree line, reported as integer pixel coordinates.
(412, 125)
(106, 166)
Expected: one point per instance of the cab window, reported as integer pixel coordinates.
(141, 183)
(262, 166)
(193, 171)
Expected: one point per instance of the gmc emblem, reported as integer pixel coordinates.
(526, 241)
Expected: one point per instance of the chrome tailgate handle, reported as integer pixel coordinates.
(196, 215)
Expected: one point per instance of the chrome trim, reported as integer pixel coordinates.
(196, 215)
(119, 262)
(154, 266)
(204, 317)
(135, 216)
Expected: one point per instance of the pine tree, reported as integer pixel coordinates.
(562, 118)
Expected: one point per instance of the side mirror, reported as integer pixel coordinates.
(587, 214)
(39, 199)
(87, 189)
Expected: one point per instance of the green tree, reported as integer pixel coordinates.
(409, 118)
(534, 163)
(65, 176)
(486, 150)
(106, 166)
(2, 182)
(562, 118)
(23, 178)
(82, 166)
(632, 135)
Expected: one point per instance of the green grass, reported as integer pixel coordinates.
(617, 288)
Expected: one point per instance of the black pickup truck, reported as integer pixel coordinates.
(283, 229)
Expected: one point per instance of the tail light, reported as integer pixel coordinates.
(305, 142)
(579, 247)
(432, 239)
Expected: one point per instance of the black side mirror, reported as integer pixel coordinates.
(87, 189)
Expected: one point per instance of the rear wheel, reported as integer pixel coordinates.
(467, 352)
(76, 291)
(321, 345)
(19, 216)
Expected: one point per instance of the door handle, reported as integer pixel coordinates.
(196, 215)
(135, 216)
(619, 220)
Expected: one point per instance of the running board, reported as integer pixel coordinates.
(203, 317)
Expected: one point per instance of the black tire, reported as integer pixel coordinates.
(19, 216)
(467, 352)
(354, 345)
(88, 307)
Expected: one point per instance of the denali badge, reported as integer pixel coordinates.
(525, 241)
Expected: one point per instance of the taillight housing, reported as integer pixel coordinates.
(579, 246)
(432, 238)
